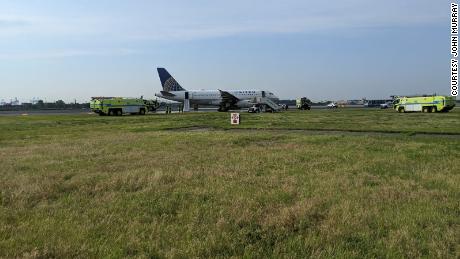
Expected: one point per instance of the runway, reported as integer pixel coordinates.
(161, 110)
(45, 112)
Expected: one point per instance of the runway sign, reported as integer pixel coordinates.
(235, 118)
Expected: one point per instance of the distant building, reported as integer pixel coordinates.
(27, 105)
(356, 102)
(376, 103)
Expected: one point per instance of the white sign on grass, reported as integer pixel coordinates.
(235, 118)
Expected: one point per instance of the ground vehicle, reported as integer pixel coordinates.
(303, 103)
(119, 105)
(424, 104)
(376, 103)
(332, 106)
(254, 109)
(386, 105)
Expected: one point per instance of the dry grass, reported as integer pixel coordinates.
(221, 193)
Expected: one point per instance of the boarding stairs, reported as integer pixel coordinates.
(267, 103)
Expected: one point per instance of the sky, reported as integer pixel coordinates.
(325, 50)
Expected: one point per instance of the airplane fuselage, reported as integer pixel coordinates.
(214, 97)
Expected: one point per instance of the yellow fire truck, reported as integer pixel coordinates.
(117, 106)
(424, 104)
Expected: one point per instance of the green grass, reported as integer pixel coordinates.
(92, 186)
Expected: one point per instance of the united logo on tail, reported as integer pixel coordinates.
(168, 82)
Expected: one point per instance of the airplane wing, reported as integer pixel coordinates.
(228, 99)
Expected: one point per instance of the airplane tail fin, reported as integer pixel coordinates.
(168, 82)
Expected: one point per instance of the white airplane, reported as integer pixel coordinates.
(224, 99)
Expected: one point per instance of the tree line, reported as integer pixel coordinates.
(41, 105)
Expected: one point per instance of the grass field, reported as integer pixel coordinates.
(344, 183)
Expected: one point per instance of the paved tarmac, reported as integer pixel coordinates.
(88, 111)
(45, 112)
